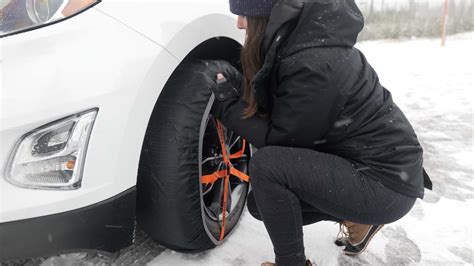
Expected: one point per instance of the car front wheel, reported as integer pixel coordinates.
(192, 179)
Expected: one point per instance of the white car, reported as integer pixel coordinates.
(105, 120)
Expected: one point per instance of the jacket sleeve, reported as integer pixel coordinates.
(253, 129)
(306, 100)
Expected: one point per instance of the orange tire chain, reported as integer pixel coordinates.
(229, 170)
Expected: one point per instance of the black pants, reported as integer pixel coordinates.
(292, 187)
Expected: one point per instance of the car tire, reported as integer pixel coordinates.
(172, 207)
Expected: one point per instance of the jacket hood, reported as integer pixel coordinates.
(318, 23)
(303, 24)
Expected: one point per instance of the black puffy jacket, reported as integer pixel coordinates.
(322, 94)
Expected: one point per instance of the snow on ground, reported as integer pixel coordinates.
(434, 87)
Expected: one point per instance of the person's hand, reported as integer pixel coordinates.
(226, 92)
(225, 89)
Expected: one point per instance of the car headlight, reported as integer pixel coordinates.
(52, 156)
(22, 15)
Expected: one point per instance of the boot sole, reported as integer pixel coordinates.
(350, 253)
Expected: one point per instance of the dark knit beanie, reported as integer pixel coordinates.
(251, 8)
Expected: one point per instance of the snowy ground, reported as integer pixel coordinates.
(434, 87)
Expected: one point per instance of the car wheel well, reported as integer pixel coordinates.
(217, 48)
(223, 48)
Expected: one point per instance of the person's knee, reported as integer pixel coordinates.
(260, 165)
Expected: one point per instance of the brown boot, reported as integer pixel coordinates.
(267, 263)
(355, 237)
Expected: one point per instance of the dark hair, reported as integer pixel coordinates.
(252, 56)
